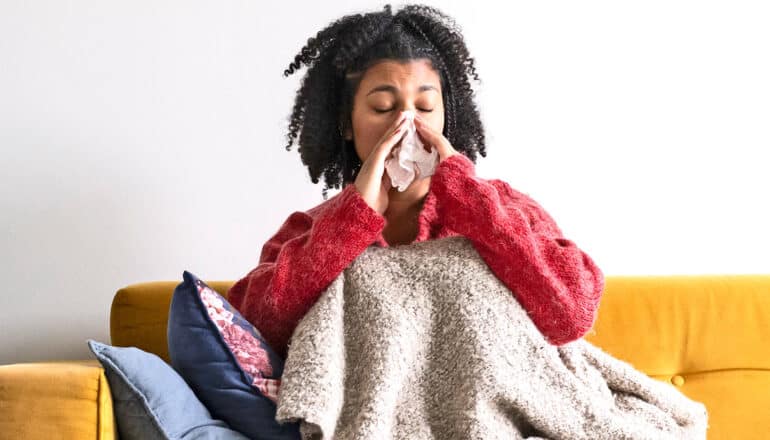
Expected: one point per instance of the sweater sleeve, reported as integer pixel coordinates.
(300, 261)
(557, 283)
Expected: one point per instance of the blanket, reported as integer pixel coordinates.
(423, 341)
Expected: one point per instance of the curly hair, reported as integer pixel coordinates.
(338, 56)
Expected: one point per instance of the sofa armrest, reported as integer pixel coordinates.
(63, 400)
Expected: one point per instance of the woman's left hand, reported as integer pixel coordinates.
(431, 137)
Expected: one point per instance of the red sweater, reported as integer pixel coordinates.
(557, 283)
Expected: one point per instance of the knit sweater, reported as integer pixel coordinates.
(557, 283)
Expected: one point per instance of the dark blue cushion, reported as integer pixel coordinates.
(225, 360)
(151, 401)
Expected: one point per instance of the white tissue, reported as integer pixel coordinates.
(408, 156)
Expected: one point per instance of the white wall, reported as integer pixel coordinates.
(143, 138)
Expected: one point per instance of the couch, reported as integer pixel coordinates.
(707, 335)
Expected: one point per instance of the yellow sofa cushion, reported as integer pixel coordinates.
(61, 400)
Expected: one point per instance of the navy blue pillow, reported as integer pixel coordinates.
(152, 401)
(225, 360)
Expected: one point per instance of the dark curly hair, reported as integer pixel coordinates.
(337, 57)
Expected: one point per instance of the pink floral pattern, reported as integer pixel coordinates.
(242, 342)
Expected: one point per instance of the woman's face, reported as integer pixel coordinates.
(386, 89)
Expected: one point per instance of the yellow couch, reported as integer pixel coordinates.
(708, 335)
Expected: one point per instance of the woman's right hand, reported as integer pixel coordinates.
(372, 181)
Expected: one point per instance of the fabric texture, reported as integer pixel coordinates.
(557, 283)
(152, 401)
(423, 341)
(225, 360)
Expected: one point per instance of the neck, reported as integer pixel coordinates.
(413, 195)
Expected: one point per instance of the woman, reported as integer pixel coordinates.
(364, 71)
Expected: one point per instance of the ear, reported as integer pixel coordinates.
(348, 135)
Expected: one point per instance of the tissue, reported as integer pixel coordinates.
(408, 156)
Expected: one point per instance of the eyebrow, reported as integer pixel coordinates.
(390, 88)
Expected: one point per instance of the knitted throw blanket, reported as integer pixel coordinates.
(422, 341)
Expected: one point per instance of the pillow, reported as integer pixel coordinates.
(151, 401)
(225, 360)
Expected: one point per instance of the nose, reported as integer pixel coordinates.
(407, 109)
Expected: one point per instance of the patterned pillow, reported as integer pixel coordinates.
(225, 360)
(152, 401)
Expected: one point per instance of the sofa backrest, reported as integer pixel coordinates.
(707, 335)
(139, 314)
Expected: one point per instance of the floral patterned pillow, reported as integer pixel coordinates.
(225, 360)
(243, 340)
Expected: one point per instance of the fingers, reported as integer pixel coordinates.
(387, 183)
(398, 126)
(394, 127)
(425, 131)
(391, 139)
(432, 137)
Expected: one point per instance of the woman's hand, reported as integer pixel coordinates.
(431, 137)
(372, 181)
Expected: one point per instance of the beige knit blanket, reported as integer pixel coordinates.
(422, 341)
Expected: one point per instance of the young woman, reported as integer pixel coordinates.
(364, 71)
